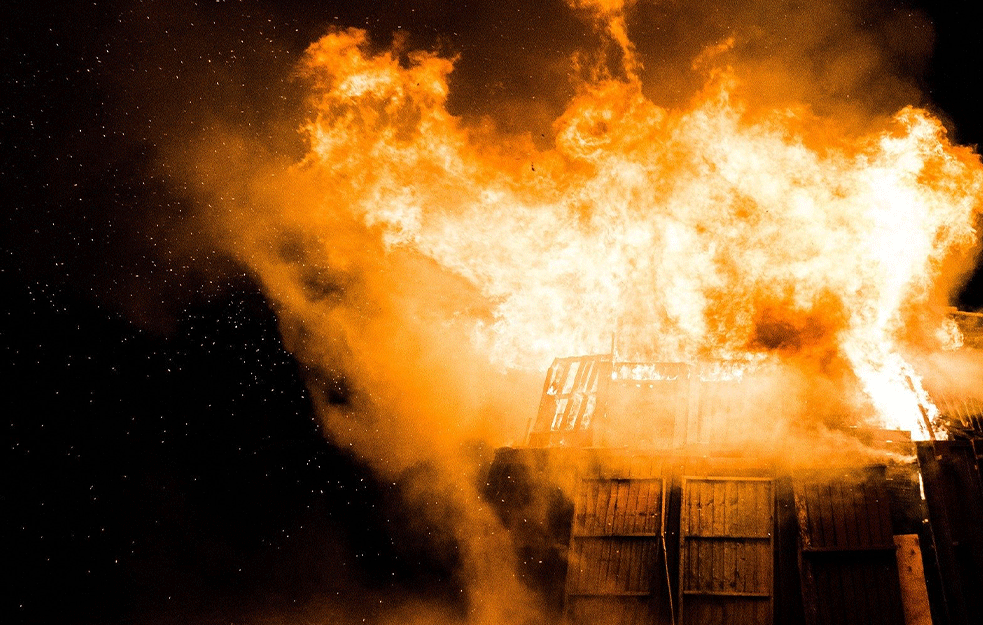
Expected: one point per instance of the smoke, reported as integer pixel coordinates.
(433, 249)
(851, 61)
(384, 337)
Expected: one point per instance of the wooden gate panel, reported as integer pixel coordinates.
(848, 565)
(614, 551)
(726, 553)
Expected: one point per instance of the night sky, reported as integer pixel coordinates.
(161, 457)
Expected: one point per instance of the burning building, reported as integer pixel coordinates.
(686, 517)
(755, 445)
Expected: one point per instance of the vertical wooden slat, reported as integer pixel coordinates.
(632, 510)
(624, 509)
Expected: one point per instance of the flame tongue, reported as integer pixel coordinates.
(711, 232)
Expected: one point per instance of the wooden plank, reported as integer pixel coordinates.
(742, 537)
(645, 507)
(610, 510)
(632, 512)
(705, 519)
(914, 592)
(588, 503)
(718, 551)
(626, 509)
(655, 516)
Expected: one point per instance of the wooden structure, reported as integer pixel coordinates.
(641, 539)
(697, 530)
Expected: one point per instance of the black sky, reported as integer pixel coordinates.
(161, 459)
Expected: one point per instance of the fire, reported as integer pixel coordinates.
(714, 231)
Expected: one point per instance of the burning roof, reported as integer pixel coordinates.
(596, 400)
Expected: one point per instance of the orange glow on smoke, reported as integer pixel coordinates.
(712, 231)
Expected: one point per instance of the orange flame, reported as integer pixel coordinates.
(710, 232)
